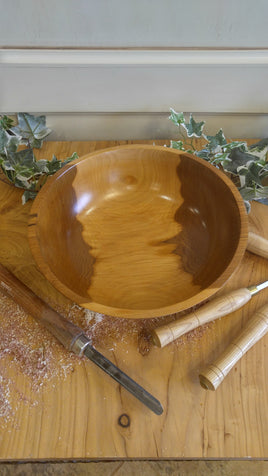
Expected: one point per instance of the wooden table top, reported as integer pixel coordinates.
(56, 406)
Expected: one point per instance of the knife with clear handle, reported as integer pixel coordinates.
(216, 308)
(71, 336)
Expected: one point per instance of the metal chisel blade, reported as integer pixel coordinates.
(262, 285)
(140, 393)
(257, 287)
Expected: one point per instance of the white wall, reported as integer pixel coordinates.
(134, 23)
(112, 68)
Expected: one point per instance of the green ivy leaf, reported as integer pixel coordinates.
(242, 146)
(7, 142)
(55, 164)
(194, 129)
(31, 129)
(250, 193)
(6, 122)
(259, 146)
(251, 173)
(176, 117)
(204, 154)
(42, 166)
(21, 166)
(23, 157)
(177, 144)
(238, 158)
(69, 159)
(4, 138)
(220, 158)
(28, 195)
(215, 143)
(247, 205)
(260, 149)
(22, 181)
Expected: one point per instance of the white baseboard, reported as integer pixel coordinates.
(149, 126)
(89, 57)
(134, 81)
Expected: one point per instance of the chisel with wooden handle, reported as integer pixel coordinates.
(257, 244)
(71, 336)
(254, 330)
(216, 308)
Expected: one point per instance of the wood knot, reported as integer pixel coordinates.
(124, 420)
(129, 180)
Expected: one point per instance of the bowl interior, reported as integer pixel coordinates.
(137, 231)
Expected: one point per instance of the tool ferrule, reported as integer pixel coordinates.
(79, 344)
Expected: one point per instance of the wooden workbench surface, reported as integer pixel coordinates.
(55, 406)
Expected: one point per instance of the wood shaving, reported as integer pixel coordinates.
(29, 349)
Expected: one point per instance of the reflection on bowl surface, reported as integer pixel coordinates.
(138, 231)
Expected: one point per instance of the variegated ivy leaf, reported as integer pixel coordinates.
(203, 154)
(260, 149)
(242, 146)
(213, 157)
(22, 181)
(247, 205)
(194, 129)
(249, 193)
(8, 142)
(42, 166)
(21, 166)
(55, 164)
(248, 163)
(4, 139)
(238, 158)
(177, 144)
(6, 122)
(31, 129)
(215, 143)
(28, 195)
(23, 157)
(251, 173)
(220, 158)
(13, 144)
(176, 117)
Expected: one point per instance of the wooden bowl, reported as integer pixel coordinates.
(138, 231)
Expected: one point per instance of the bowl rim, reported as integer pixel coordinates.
(195, 300)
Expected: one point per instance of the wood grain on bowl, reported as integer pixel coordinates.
(138, 231)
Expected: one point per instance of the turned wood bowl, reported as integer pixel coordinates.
(138, 231)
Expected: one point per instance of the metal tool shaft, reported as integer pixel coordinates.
(258, 287)
(140, 393)
(82, 346)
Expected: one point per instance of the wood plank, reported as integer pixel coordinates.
(131, 468)
(75, 413)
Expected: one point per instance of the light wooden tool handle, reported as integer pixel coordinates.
(256, 328)
(257, 245)
(66, 332)
(219, 307)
